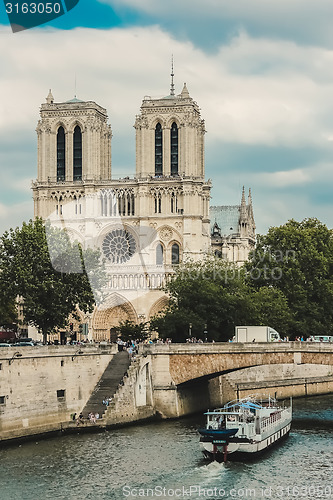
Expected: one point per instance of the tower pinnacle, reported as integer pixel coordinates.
(172, 88)
(243, 206)
(50, 98)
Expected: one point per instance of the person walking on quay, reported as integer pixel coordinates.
(79, 419)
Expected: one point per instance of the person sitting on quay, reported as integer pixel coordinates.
(92, 418)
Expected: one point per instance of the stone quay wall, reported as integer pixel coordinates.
(41, 386)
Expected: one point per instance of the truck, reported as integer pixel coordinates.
(256, 334)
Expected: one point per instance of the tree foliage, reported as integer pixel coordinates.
(209, 298)
(297, 260)
(129, 330)
(8, 309)
(48, 272)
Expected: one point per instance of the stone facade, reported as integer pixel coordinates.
(144, 225)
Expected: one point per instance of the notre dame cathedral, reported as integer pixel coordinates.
(146, 225)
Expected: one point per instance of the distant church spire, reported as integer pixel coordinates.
(250, 210)
(249, 202)
(172, 88)
(243, 213)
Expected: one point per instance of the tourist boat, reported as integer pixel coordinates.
(244, 428)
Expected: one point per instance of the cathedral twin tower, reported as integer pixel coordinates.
(146, 225)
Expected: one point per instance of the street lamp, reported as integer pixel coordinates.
(190, 329)
(206, 332)
(16, 354)
(76, 354)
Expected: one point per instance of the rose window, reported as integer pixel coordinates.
(118, 246)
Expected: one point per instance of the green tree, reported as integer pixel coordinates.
(175, 323)
(129, 330)
(43, 268)
(270, 308)
(8, 309)
(209, 298)
(297, 259)
(210, 295)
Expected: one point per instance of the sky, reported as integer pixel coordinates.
(260, 70)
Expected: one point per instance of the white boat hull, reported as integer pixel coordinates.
(245, 449)
(244, 428)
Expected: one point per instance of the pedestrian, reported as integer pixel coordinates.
(79, 420)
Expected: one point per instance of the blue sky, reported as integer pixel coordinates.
(261, 71)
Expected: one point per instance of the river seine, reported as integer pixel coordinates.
(163, 460)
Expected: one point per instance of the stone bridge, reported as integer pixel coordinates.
(190, 377)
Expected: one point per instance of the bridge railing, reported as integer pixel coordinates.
(236, 347)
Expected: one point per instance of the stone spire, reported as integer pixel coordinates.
(249, 203)
(250, 211)
(172, 87)
(250, 198)
(185, 93)
(243, 211)
(50, 98)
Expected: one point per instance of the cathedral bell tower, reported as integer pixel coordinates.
(74, 150)
(170, 169)
(170, 137)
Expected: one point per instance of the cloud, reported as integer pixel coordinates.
(284, 178)
(268, 94)
(251, 91)
(210, 23)
(12, 216)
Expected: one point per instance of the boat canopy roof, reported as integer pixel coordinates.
(221, 411)
(231, 409)
(248, 404)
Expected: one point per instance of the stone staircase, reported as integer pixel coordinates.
(108, 384)
(123, 408)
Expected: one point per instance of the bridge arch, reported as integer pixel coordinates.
(187, 367)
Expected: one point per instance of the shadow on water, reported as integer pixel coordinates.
(315, 412)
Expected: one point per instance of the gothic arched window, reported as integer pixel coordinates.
(61, 154)
(158, 150)
(77, 154)
(158, 203)
(175, 254)
(174, 149)
(159, 255)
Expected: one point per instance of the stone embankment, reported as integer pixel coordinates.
(40, 387)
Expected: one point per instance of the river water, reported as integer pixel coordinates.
(163, 460)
